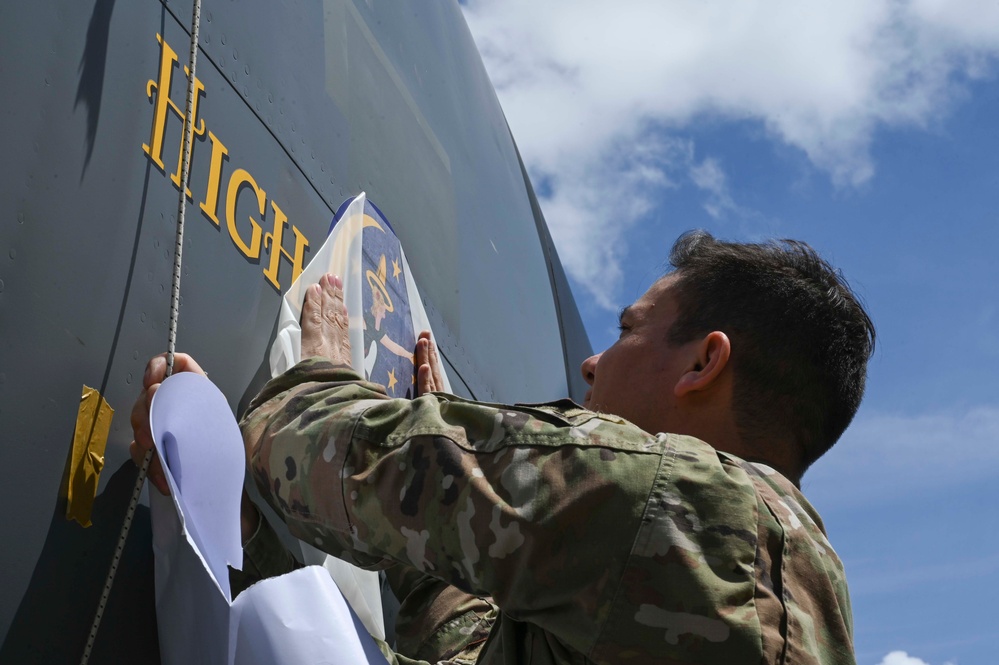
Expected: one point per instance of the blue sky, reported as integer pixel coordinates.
(870, 129)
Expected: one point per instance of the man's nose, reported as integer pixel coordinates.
(589, 368)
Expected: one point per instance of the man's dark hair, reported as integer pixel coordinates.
(800, 337)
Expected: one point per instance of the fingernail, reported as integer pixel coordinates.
(337, 282)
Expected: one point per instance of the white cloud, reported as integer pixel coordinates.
(884, 457)
(973, 23)
(586, 83)
(902, 658)
(709, 177)
(594, 202)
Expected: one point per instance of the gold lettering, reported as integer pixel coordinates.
(240, 179)
(161, 88)
(199, 88)
(210, 206)
(273, 240)
(250, 245)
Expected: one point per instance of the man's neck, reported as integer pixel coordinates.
(775, 455)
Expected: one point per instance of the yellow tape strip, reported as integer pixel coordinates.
(93, 423)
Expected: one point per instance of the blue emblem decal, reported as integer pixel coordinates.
(389, 339)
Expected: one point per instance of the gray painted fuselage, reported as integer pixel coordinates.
(301, 104)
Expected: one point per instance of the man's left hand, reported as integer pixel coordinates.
(143, 442)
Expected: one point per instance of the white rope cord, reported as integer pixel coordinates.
(185, 174)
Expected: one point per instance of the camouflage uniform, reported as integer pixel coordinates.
(599, 542)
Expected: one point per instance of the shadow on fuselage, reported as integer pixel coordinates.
(53, 620)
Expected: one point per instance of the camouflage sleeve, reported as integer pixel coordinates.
(536, 508)
(438, 622)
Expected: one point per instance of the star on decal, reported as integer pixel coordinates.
(392, 380)
(396, 269)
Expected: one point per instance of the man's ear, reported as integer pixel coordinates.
(710, 359)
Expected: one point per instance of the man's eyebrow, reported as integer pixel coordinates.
(624, 312)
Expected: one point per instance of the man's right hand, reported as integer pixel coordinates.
(429, 375)
(143, 442)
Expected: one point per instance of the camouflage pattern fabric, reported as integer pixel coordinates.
(598, 542)
(438, 622)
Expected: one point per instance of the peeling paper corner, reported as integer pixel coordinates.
(93, 424)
